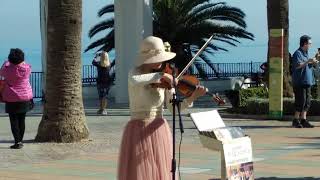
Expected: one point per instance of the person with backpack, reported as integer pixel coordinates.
(317, 56)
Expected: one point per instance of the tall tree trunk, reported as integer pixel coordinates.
(63, 119)
(278, 17)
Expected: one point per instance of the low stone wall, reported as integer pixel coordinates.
(220, 85)
(217, 85)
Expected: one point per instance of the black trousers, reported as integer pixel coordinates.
(17, 121)
(302, 97)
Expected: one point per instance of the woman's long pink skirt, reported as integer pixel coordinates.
(146, 151)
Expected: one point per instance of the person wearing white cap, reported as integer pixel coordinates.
(146, 147)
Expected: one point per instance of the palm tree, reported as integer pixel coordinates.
(186, 24)
(278, 17)
(63, 119)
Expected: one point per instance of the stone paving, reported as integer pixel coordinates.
(280, 152)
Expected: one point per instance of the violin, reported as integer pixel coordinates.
(187, 84)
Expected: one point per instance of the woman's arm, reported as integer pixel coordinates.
(299, 62)
(187, 102)
(2, 73)
(95, 62)
(145, 79)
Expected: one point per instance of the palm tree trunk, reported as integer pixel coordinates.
(63, 119)
(278, 17)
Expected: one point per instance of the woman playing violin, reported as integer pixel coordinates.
(146, 147)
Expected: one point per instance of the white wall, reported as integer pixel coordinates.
(90, 92)
(133, 22)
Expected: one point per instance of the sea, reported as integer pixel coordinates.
(245, 52)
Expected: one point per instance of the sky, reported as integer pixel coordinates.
(20, 23)
(19, 27)
(302, 20)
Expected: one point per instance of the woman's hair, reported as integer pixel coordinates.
(16, 56)
(104, 59)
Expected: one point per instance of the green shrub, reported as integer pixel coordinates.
(261, 106)
(314, 91)
(233, 96)
(239, 98)
(251, 93)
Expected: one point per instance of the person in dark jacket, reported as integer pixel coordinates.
(102, 62)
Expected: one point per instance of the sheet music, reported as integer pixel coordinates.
(228, 133)
(208, 120)
(210, 124)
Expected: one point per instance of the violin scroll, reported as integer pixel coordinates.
(218, 99)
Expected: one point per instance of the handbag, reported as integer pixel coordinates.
(31, 104)
(316, 72)
(2, 84)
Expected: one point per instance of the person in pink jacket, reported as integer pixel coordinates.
(17, 93)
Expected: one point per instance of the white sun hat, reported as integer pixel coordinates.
(152, 50)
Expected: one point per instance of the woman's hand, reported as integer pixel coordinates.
(313, 61)
(198, 92)
(169, 79)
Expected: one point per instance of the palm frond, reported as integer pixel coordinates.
(229, 38)
(207, 28)
(188, 5)
(186, 24)
(223, 13)
(109, 23)
(233, 32)
(208, 60)
(106, 9)
(224, 40)
(202, 7)
(201, 71)
(110, 45)
(215, 47)
(106, 42)
(95, 44)
(106, 47)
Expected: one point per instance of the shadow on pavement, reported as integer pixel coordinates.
(276, 178)
(24, 141)
(263, 127)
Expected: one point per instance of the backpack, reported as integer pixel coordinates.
(290, 64)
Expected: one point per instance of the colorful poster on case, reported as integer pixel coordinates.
(238, 159)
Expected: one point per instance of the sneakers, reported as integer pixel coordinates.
(296, 123)
(306, 124)
(303, 123)
(18, 145)
(102, 112)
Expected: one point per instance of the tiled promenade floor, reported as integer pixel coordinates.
(280, 152)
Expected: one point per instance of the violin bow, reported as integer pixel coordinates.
(195, 56)
(215, 96)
